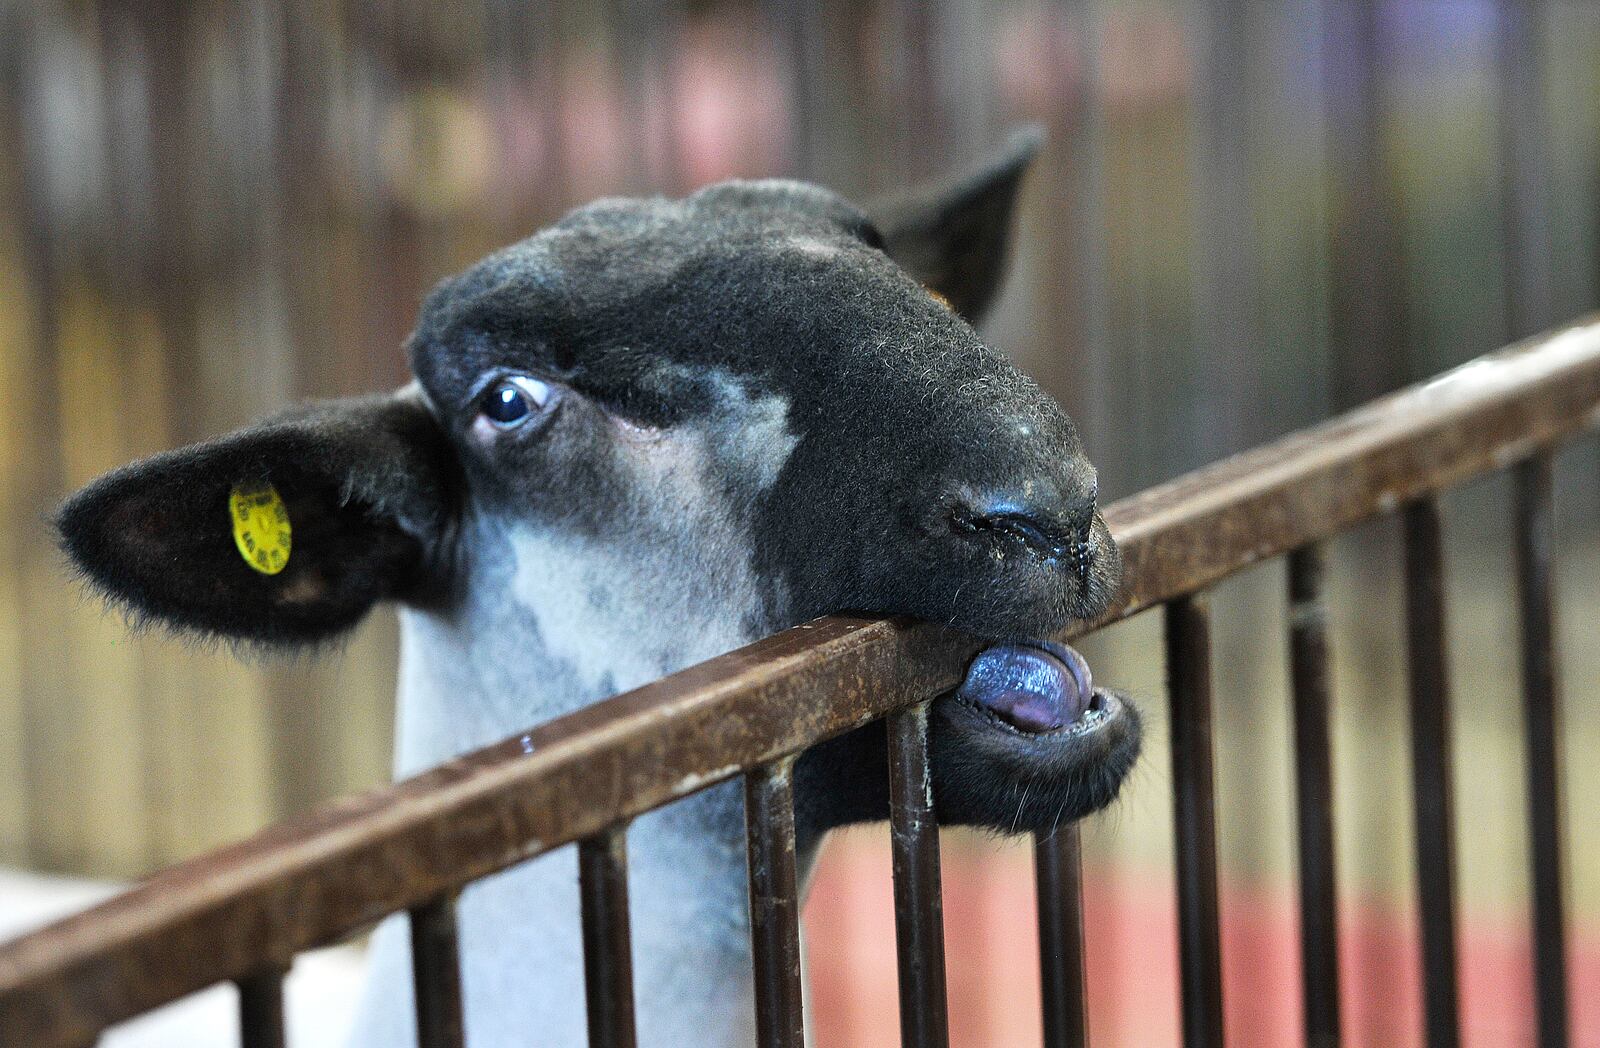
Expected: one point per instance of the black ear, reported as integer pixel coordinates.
(196, 538)
(954, 238)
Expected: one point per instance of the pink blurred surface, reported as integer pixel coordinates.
(991, 948)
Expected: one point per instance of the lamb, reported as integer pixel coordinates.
(653, 432)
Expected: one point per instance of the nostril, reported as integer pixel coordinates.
(1045, 534)
(1027, 530)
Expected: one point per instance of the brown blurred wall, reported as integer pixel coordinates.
(213, 209)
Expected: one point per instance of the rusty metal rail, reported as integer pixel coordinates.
(243, 913)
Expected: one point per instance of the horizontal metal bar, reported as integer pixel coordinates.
(1188, 628)
(348, 865)
(918, 901)
(774, 905)
(1431, 768)
(1058, 881)
(607, 943)
(309, 882)
(261, 1022)
(436, 974)
(1182, 536)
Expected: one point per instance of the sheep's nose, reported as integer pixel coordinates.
(1047, 530)
(1060, 531)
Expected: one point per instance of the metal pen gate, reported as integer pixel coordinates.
(242, 913)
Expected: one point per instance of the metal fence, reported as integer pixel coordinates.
(243, 913)
(1247, 218)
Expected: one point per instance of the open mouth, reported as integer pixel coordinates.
(1037, 688)
(1028, 743)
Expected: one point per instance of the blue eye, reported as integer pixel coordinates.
(513, 400)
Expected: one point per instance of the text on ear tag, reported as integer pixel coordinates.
(260, 527)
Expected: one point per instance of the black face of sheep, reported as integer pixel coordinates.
(755, 400)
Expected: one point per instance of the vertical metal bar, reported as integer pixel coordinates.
(1525, 194)
(607, 947)
(436, 974)
(1525, 181)
(1431, 768)
(261, 1010)
(918, 903)
(1541, 724)
(1058, 876)
(1319, 928)
(774, 904)
(1188, 624)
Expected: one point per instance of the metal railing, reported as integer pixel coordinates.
(243, 913)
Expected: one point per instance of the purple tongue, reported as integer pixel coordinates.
(1031, 687)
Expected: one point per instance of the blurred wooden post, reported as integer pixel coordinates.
(1222, 263)
(1370, 332)
(1526, 189)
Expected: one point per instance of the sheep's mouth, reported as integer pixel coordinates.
(1028, 742)
(1037, 688)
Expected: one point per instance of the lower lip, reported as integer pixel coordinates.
(1102, 710)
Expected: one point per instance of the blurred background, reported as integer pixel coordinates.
(1248, 216)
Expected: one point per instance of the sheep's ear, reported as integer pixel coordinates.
(282, 533)
(954, 238)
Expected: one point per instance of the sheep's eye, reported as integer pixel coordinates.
(514, 400)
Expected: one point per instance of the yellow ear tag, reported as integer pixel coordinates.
(945, 302)
(260, 527)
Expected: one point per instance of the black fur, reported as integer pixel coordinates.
(905, 427)
(952, 235)
(986, 773)
(903, 414)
